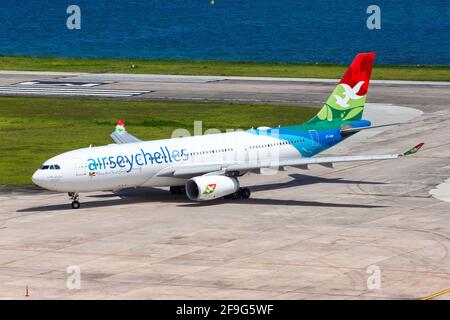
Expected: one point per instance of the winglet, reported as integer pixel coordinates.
(120, 135)
(413, 150)
(120, 126)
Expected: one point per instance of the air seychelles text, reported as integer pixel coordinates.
(142, 158)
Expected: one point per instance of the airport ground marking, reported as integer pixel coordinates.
(437, 294)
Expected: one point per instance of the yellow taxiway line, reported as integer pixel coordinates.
(440, 293)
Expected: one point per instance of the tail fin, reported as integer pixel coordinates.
(348, 98)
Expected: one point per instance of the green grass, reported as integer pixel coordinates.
(35, 129)
(219, 68)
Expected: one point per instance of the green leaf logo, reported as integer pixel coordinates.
(210, 188)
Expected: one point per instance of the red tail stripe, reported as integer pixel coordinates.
(360, 70)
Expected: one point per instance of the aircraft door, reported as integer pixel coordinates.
(314, 137)
(80, 167)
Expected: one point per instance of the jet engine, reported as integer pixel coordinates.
(210, 187)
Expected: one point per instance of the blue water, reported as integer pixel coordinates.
(412, 32)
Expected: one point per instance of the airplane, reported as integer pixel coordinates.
(208, 167)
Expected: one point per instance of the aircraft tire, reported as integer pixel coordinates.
(234, 196)
(245, 193)
(178, 190)
(75, 204)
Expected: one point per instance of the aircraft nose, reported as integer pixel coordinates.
(37, 178)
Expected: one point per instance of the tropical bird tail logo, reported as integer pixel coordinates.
(348, 98)
(209, 188)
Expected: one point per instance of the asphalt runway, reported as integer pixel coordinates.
(306, 92)
(304, 234)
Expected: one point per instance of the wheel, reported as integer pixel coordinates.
(236, 195)
(233, 196)
(241, 193)
(245, 193)
(178, 190)
(75, 205)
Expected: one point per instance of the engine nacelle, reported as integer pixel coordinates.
(210, 187)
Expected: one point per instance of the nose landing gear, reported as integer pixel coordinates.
(74, 197)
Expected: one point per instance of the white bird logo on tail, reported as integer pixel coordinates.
(349, 93)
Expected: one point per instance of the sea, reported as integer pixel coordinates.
(414, 32)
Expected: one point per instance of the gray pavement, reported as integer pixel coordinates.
(307, 92)
(304, 234)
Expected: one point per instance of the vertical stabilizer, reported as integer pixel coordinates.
(348, 98)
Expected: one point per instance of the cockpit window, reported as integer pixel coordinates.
(51, 167)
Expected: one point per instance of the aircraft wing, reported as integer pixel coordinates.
(120, 135)
(123, 137)
(191, 170)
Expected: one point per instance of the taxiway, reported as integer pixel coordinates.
(304, 234)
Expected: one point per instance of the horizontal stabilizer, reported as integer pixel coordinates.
(346, 130)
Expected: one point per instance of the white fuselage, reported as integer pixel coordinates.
(119, 166)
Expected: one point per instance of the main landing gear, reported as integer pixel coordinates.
(178, 190)
(242, 193)
(74, 197)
